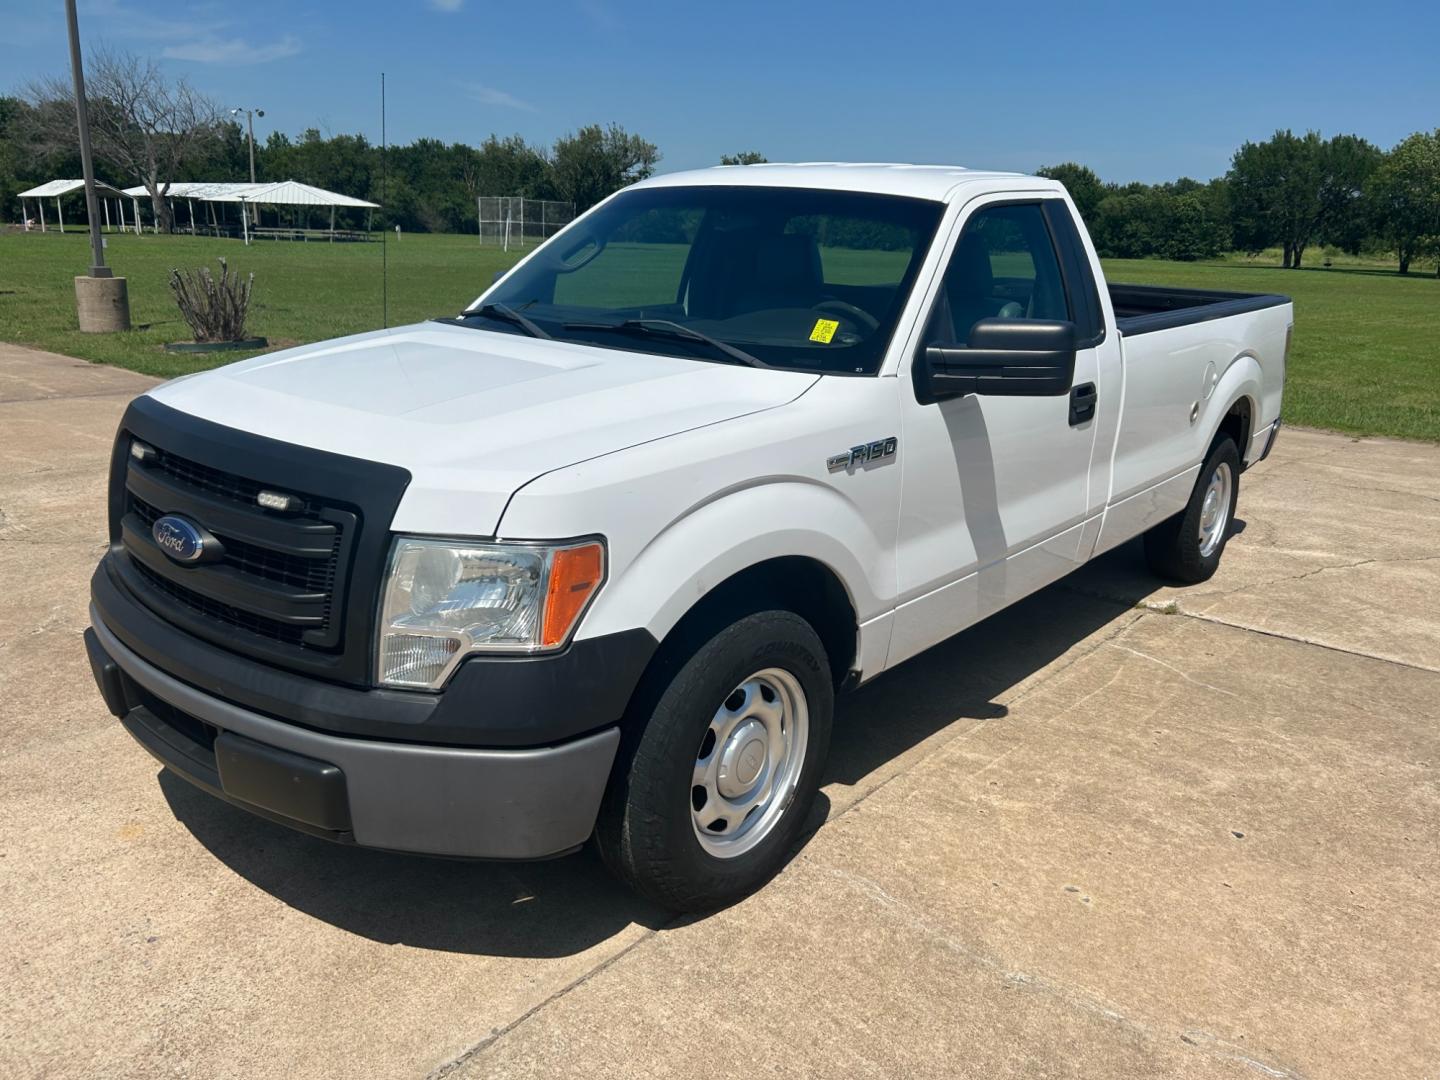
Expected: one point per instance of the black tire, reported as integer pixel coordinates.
(645, 832)
(1173, 548)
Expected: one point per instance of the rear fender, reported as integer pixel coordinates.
(1243, 380)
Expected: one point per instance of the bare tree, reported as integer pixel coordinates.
(144, 125)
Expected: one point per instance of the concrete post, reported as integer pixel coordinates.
(103, 304)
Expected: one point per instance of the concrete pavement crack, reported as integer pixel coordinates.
(73, 397)
(1071, 997)
(1320, 570)
(1301, 640)
(464, 1057)
(1174, 607)
(1119, 631)
(1171, 667)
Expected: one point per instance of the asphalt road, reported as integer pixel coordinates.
(1119, 830)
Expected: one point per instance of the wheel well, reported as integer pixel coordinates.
(1237, 425)
(795, 583)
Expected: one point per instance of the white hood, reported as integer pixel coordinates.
(472, 414)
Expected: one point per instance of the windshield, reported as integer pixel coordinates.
(790, 277)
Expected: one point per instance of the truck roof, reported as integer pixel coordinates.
(915, 181)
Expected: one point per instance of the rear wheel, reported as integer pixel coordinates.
(723, 775)
(1187, 547)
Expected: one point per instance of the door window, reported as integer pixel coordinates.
(1004, 267)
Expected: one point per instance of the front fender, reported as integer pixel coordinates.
(732, 532)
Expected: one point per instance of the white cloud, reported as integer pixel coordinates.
(447, 5)
(488, 95)
(213, 50)
(124, 21)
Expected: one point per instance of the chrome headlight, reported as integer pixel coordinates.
(445, 599)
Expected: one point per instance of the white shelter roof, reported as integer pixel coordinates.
(281, 193)
(294, 193)
(206, 190)
(53, 189)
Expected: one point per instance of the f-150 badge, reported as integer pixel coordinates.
(868, 454)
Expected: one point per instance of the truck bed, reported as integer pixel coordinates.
(1143, 309)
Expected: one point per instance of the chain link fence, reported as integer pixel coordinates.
(510, 221)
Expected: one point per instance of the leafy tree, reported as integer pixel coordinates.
(744, 157)
(1294, 190)
(143, 125)
(1403, 195)
(594, 162)
(1275, 194)
(1183, 220)
(1346, 164)
(1122, 227)
(223, 159)
(1190, 227)
(13, 166)
(509, 166)
(1082, 184)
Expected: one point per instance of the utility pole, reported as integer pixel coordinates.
(102, 300)
(250, 115)
(87, 163)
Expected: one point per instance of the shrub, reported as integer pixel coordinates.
(215, 310)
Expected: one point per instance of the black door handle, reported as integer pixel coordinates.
(1082, 403)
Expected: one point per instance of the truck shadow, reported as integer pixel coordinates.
(960, 679)
(568, 905)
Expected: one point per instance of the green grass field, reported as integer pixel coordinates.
(1366, 355)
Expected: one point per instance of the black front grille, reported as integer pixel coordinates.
(278, 576)
(221, 613)
(237, 489)
(313, 575)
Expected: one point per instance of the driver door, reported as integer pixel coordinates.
(994, 488)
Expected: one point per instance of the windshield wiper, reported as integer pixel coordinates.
(505, 313)
(666, 328)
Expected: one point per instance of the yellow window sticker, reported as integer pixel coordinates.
(824, 330)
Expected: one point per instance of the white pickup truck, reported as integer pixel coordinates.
(594, 557)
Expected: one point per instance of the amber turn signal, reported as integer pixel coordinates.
(575, 574)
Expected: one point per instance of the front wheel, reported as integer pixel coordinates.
(724, 773)
(1187, 547)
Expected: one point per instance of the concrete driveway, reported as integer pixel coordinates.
(1119, 830)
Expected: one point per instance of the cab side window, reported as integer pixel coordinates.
(1004, 267)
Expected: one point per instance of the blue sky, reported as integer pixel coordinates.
(1138, 91)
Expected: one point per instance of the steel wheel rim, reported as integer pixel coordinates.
(1215, 509)
(748, 763)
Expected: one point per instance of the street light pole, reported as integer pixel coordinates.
(102, 301)
(87, 162)
(250, 115)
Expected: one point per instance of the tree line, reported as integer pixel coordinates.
(150, 129)
(1291, 192)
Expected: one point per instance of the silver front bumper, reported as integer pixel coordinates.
(495, 804)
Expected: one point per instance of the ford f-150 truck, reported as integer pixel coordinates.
(593, 557)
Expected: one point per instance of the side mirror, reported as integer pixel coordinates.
(1016, 357)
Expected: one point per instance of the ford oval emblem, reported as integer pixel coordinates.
(178, 538)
